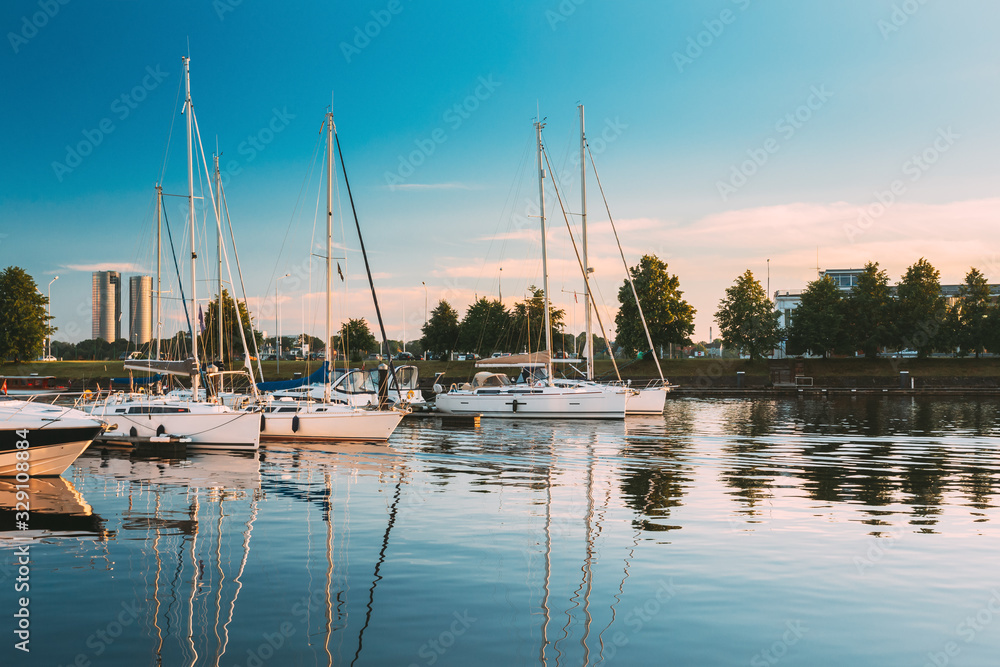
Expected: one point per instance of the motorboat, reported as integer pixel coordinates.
(51, 437)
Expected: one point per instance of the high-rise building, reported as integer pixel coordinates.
(140, 321)
(106, 305)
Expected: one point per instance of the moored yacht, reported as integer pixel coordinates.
(52, 437)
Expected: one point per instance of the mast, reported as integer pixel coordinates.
(159, 319)
(196, 371)
(586, 266)
(329, 249)
(545, 270)
(218, 220)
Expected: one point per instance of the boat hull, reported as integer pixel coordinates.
(51, 450)
(210, 430)
(649, 401)
(534, 404)
(329, 424)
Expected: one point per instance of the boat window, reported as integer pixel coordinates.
(156, 410)
(288, 409)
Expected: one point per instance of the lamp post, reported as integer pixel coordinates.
(48, 313)
(277, 325)
(425, 301)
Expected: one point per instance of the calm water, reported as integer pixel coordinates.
(728, 532)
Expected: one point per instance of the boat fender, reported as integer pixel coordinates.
(438, 388)
(160, 430)
(133, 433)
(263, 422)
(295, 424)
(409, 395)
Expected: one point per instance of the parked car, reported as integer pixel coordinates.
(404, 356)
(375, 356)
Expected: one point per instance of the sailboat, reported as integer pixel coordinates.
(289, 419)
(493, 394)
(199, 424)
(649, 400)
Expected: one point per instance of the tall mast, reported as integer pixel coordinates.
(159, 252)
(218, 221)
(329, 247)
(196, 375)
(545, 269)
(586, 267)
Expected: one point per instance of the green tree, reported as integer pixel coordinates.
(920, 310)
(23, 322)
(972, 311)
(485, 325)
(818, 321)
(442, 330)
(747, 318)
(356, 338)
(231, 343)
(528, 321)
(870, 311)
(669, 317)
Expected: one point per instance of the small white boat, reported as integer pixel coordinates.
(55, 437)
(287, 419)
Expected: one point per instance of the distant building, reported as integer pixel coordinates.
(106, 305)
(140, 321)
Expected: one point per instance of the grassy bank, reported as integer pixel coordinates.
(722, 372)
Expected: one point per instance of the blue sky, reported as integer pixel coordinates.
(728, 133)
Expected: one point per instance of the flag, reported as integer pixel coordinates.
(575, 299)
(340, 273)
(4, 387)
(201, 319)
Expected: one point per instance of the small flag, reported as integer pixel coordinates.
(201, 319)
(4, 387)
(340, 273)
(575, 299)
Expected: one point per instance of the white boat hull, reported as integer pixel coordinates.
(546, 403)
(315, 422)
(219, 428)
(648, 401)
(56, 437)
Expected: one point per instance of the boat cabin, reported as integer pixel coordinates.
(30, 384)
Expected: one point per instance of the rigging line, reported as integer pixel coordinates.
(170, 133)
(364, 255)
(586, 278)
(378, 565)
(177, 268)
(628, 273)
(239, 272)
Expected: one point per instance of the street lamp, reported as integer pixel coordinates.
(425, 301)
(277, 324)
(48, 312)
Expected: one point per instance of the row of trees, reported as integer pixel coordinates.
(871, 317)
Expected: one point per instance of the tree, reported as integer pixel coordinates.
(747, 318)
(442, 330)
(23, 321)
(528, 321)
(669, 317)
(231, 343)
(870, 311)
(818, 320)
(355, 338)
(920, 310)
(971, 312)
(485, 325)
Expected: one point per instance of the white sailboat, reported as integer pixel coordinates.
(139, 417)
(289, 419)
(648, 400)
(493, 395)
